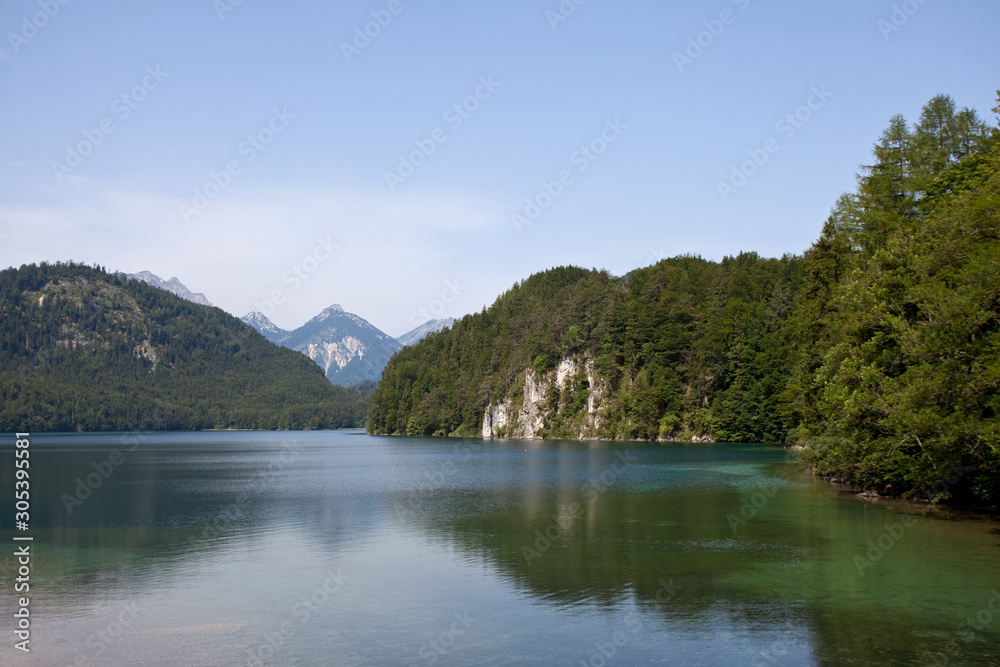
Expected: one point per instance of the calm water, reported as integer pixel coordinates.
(344, 549)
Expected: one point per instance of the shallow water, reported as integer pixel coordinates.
(338, 548)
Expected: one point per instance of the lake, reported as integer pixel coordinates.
(337, 548)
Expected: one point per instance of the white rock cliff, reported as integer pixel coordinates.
(524, 416)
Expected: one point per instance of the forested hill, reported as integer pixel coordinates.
(877, 351)
(83, 349)
(686, 348)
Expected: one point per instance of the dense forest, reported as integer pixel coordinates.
(875, 352)
(85, 350)
(683, 347)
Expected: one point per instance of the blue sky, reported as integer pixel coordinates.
(243, 149)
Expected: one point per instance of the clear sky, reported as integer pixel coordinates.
(226, 142)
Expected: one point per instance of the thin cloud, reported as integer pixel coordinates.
(393, 253)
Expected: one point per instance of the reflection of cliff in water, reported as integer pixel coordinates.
(663, 538)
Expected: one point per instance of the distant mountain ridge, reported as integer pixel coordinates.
(432, 326)
(174, 286)
(265, 327)
(347, 347)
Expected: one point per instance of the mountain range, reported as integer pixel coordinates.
(347, 347)
(174, 286)
(431, 326)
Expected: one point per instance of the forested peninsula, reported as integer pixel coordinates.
(874, 353)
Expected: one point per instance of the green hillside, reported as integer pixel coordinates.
(684, 348)
(85, 350)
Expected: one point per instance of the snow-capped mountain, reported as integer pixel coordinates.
(348, 348)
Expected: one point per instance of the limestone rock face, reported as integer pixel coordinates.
(525, 416)
(335, 354)
(495, 420)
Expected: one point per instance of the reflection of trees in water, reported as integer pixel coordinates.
(790, 568)
(154, 516)
(793, 569)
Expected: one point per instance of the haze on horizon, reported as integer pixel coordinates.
(249, 149)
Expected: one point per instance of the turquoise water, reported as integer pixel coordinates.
(345, 549)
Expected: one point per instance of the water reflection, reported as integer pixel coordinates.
(700, 554)
(600, 524)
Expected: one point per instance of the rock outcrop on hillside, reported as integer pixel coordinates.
(557, 394)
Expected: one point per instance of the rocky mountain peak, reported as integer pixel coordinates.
(335, 309)
(174, 286)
